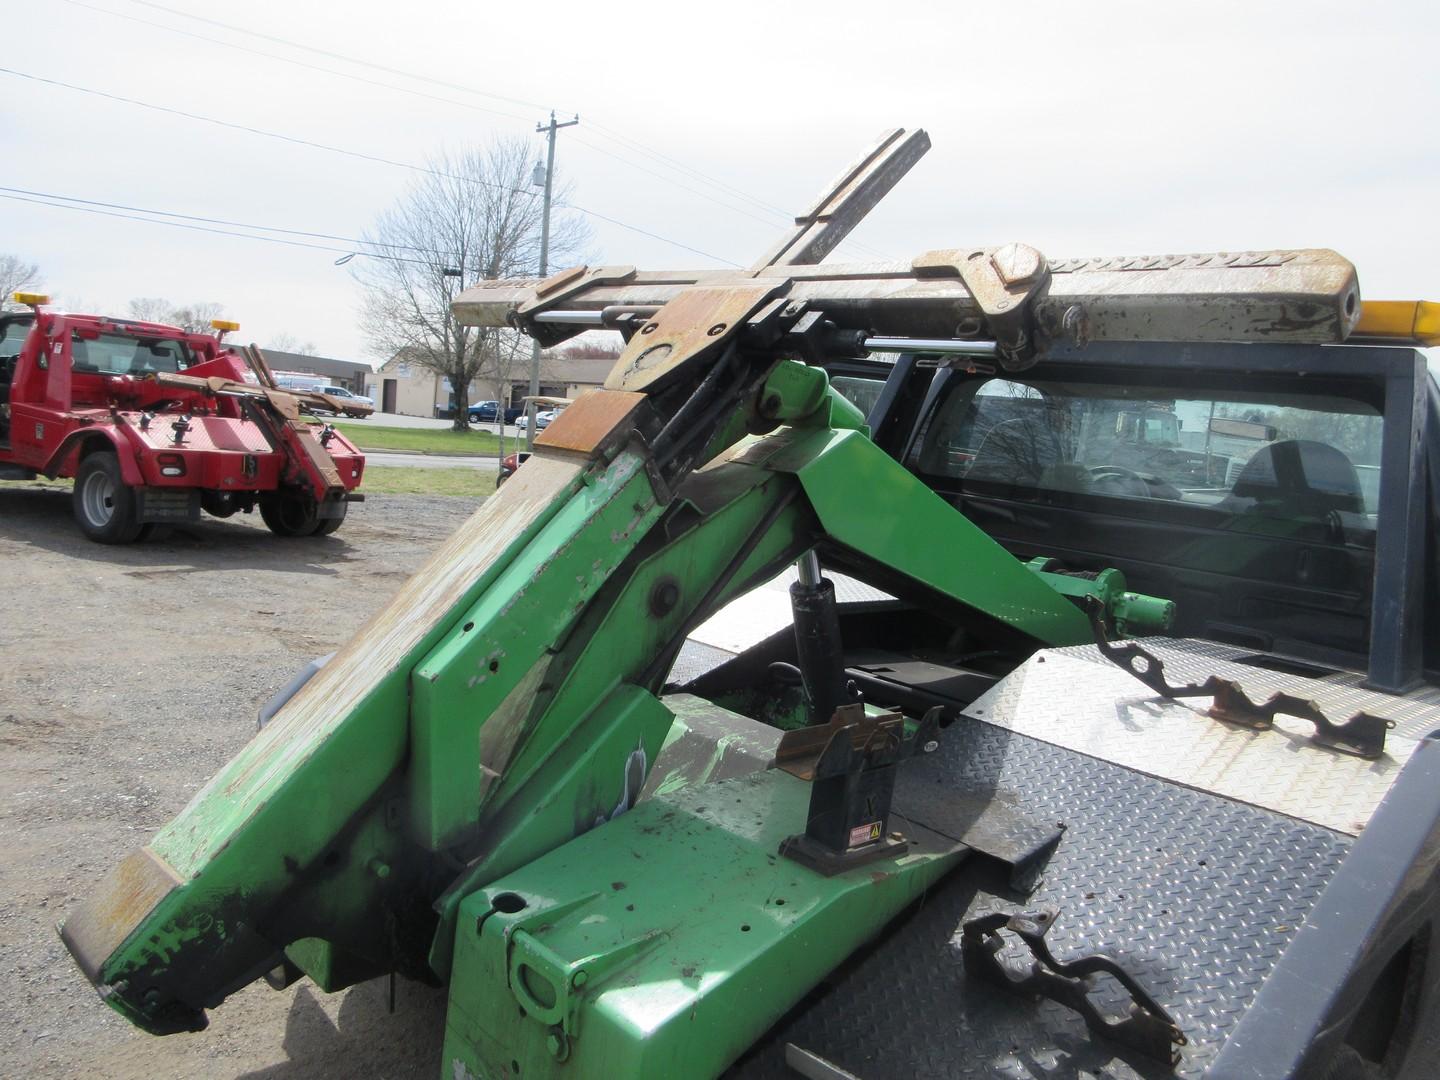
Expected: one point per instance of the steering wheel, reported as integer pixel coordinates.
(1118, 480)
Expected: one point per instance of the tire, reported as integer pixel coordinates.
(103, 503)
(329, 525)
(288, 514)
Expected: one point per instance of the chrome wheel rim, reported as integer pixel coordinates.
(97, 499)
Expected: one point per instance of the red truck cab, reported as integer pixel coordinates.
(156, 423)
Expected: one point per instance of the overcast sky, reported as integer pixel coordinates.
(1083, 129)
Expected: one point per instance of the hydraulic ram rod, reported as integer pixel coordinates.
(946, 347)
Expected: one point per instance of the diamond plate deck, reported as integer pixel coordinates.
(695, 659)
(1339, 694)
(1092, 706)
(1196, 895)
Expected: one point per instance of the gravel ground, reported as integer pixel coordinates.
(127, 677)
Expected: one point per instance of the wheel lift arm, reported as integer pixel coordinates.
(504, 704)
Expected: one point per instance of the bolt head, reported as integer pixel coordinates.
(1017, 263)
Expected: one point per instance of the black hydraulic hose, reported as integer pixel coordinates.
(694, 419)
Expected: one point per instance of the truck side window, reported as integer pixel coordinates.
(12, 340)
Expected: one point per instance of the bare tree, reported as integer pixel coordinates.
(190, 317)
(15, 275)
(288, 342)
(475, 212)
(591, 350)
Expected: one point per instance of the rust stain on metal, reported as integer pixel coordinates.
(559, 280)
(800, 749)
(501, 734)
(392, 634)
(690, 327)
(129, 893)
(587, 425)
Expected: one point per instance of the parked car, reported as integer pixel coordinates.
(347, 396)
(542, 420)
(489, 412)
(509, 463)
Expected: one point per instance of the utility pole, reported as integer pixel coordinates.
(549, 131)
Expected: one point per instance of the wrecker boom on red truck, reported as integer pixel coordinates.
(156, 423)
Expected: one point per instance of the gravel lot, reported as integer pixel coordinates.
(127, 677)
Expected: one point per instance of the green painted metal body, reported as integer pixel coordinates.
(366, 832)
(1133, 613)
(664, 943)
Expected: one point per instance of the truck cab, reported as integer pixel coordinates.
(1256, 497)
(156, 424)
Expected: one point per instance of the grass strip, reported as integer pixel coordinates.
(425, 440)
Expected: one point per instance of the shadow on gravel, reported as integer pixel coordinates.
(42, 518)
(368, 1040)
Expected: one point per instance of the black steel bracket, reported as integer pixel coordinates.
(1362, 735)
(1149, 1028)
(851, 764)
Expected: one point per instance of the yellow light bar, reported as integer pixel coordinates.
(1400, 320)
(31, 299)
(224, 325)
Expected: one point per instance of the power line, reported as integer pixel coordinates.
(412, 92)
(670, 180)
(347, 59)
(198, 228)
(357, 154)
(297, 63)
(353, 241)
(261, 131)
(421, 77)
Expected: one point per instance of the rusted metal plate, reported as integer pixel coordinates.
(846, 202)
(558, 288)
(126, 896)
(682, 335)
(318, 457)
(593, 422)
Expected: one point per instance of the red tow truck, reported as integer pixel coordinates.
(156, 424)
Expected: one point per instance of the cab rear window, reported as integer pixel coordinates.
(1244, 458)
(121, 354)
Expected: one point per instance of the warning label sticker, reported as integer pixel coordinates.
(864, 834)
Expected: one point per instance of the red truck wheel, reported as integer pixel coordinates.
(289, 515)
(330, 524)
(104, 504)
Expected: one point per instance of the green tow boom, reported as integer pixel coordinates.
(454, 795)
